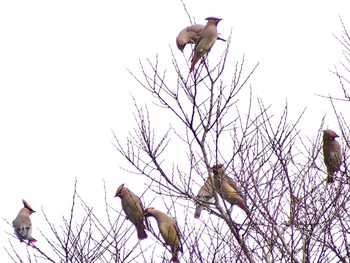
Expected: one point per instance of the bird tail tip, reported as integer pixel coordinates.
(175, 259)
(330, 179)
(143, 237)
(141, 234)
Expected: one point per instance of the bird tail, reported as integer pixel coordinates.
(175, 259)
(194, 61)
(198, 211)
(32, 240)
(330, 178)
(244, 207)
(141, 233)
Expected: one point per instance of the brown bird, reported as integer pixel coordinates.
(228, 189)
(23, 225)
(133, 209)
(206, 40)
(190, 35)
(205, 194)
(169, 231)
(331, 154)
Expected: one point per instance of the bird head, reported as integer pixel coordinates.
(217, 169)
(180, 46)
(26, 205)
(148, 211)
(216, 20)
(119, 191)
(330, 133)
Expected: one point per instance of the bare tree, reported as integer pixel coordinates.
(344, 70)
(209, 120)
(295, 216)
(85, 236)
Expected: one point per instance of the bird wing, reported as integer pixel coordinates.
(233, 184)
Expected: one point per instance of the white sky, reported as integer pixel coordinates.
(64, 83)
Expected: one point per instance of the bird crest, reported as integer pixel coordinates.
(119, 190)
(217, 20)
(26, 205)
(331, 133)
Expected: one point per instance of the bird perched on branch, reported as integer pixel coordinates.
(206, 40)
(190, 35)
(23, 225)
(133, 209)
(169, 231)
(331, 154)
(205, 194)
(228, 189)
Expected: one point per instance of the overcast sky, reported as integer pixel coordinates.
(64, 84)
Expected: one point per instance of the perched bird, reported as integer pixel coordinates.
(190, 35)
(331, 154)
(228, 189)
(206, 40)
(23, 225)
(133, 209)
(205, 194)
(169, 231)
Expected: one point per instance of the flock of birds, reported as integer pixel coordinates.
(204, 38)
(224, 185)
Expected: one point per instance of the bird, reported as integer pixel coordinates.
(190, 35)
(133, 209)
(206, 40)
(331, 154)
(205, 195)
(23, 225)
(169, 231)
(228, 189)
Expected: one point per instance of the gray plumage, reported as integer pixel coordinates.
(190, 35)
(169, 231)
(206, 40)
(228, 189)
(23, 225)
(205, 194)
(331, 154)
(133, 209)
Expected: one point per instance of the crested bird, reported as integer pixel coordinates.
(23, 225)
(133, 209)
(169, 231)
(190, 35)
(228, 189)
(206, 40)
(331, 154)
